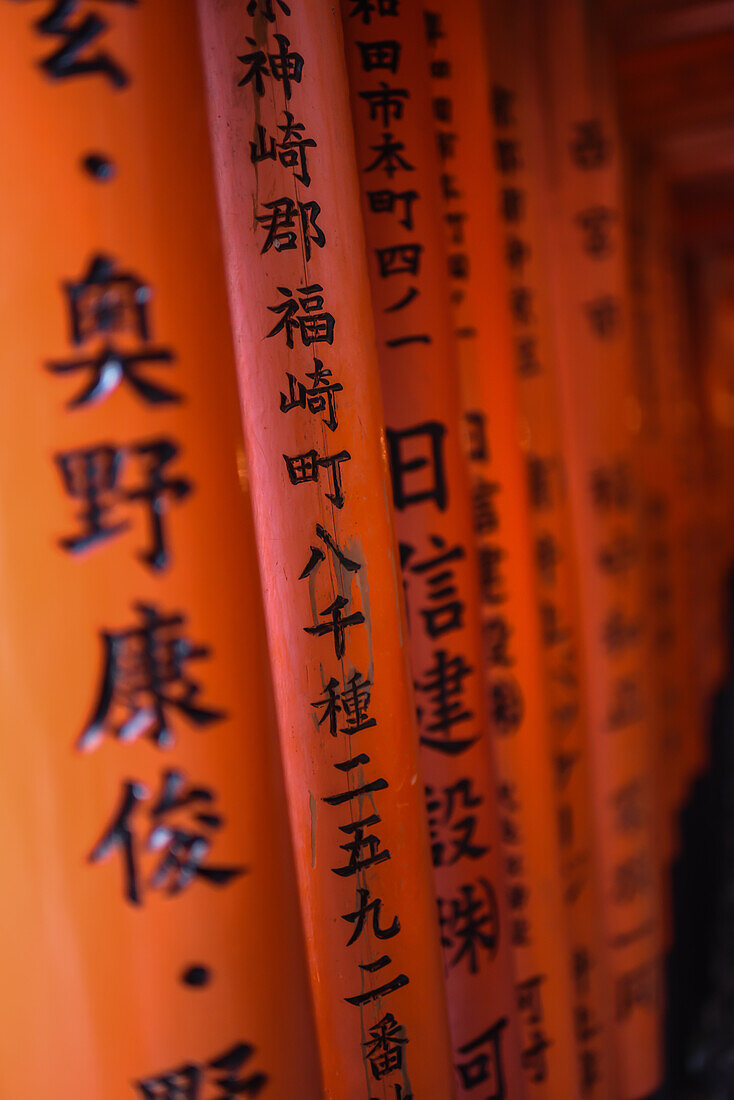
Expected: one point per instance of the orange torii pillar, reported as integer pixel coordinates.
(152, 922)
(387, 61)
(667, 502)
(311, 404)
(574, 148)
(495, 173)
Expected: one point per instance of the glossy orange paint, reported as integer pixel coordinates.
(576, 151)
(326, 545)
(95, 981)
(396, 154)
(515, 674)
(524, 249)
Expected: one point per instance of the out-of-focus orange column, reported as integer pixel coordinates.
(151, 926)
(713, 417)
(666, 502)
(311, 404)
(514, 681)
(574, 146)
(387, 60)
(525, 297)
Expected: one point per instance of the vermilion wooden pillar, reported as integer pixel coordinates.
(387, 60)
(576, 147)
(524, 296)
(311, 404)
(151, 925)
(667, 501)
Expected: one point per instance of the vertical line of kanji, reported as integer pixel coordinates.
(387, 60)
(577, 154)
(311, 405)
(155, 920)
(521, 203)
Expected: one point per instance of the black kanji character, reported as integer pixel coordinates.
(145, 676)
(71, 58)
(456, 219)
(433, 22)
(503, 101)
(446, 610)
(521, 305)
(364, 849)
(449, 189)
(528, 363)
(458, 267)
(359, 918)
(490, 574)
(533, 1057)
(476, 431)
(497, 633)
(539, 482)
(185, 1081)
(631, 878)
(284, 66)
(92, 475)
(547, 557)
(306, 467)
(618, 555)
(611, 487)
(384, 1050)
(552, 632)
(318, 397)
(318, 555)
(338, 624)
(303, 312)
(452, 840)
(399, 259)
(267, 8)
(512, 204)
(282, 222)
(595, 224)
(103, 303)
(625, 704)
(402, 303)
(381, 991)
(639, 987)
(183, 849)
(290, 149)
(486, 1067)
(443, 687)
(529, 998)
(506, 704)
(389, 156)
(231, 1064)
(443, 108)
(182, 1083)
(407, 462)
(440, 69)
(386, 104)
(353, 701)
(358, 793)
(603, 314)
(589, 147)
(486, 519)
(470, 924)
(507, 153)
(385, 202)
(379, 55)
(517, 253)
(366, 8)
